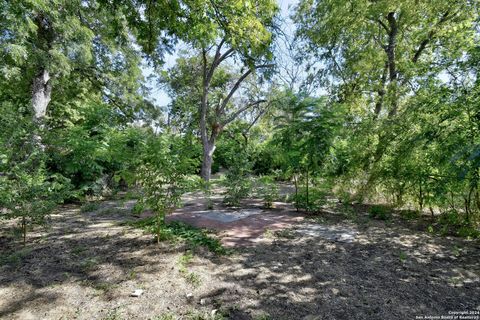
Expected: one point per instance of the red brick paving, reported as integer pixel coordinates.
(243, 232)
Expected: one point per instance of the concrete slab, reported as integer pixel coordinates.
(228, 216)
(332, 233)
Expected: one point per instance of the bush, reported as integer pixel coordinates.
(379, 212)
(409, 214)
(28, 193)
(164, 176)
(452, 222)
(237, 180)
(267, 190)
(311, 201)
(175, 231)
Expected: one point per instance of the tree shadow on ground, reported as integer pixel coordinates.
(386, 274)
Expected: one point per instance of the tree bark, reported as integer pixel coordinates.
(41, 94)
(207, 161)
(392, 67)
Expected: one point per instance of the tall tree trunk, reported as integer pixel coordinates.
(41, 94)
(208, 149)
(391, 58)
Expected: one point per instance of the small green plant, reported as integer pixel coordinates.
(138, 208)
(286, 234)
(176, 231)
(402, 256)
(237, 189)
(311, 199)
(409, 214)
(14, 258)
(379, 212)
(167, 316)
(267, 190)
(237, 183)
(113, 315)
(268, 234)
(164, 177)
(88, 264)
(90, 206)
(262, 316)
(453, 223)
(78, 250)
(193, 279)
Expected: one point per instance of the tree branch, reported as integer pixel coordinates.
(239, 111)
(238, 83)
(429, 37)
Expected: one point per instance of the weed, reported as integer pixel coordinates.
(167, 316)
(349, 213)
(268, 234)
(263, 316)
(78, 250)
(191, 277)
(175, 231)
(88, 264)
(103, 286)
(112, 315)
(90, 206)
(286, 234)
(402, 256)
(456, 251)
(185, 258)
(132, 275)
(14, 258)
(267, 190)
(192, 315)
(409, 214)
(137, 209)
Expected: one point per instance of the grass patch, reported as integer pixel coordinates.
(176, 231)
(193, 315)
(14, 258)
(88, 264)
(90, 206)
(285, 234)
(191, 278)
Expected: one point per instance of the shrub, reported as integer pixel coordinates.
(28, 193)
(267, 190)
(379, 212)
(311, 201)
(175, 231)
(409, 214)
(164, 176)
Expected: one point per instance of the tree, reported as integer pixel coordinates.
(218, 31)
(305, 130)
(49, 44)
(163, 173)
(210, 103)
(377, 56)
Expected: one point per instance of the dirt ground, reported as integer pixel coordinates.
(85, 266)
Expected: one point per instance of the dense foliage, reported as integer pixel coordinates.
(387, 110)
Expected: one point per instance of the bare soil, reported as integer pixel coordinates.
(85, 266)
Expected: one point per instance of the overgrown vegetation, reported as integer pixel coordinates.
(368, 102)
(176, 231)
